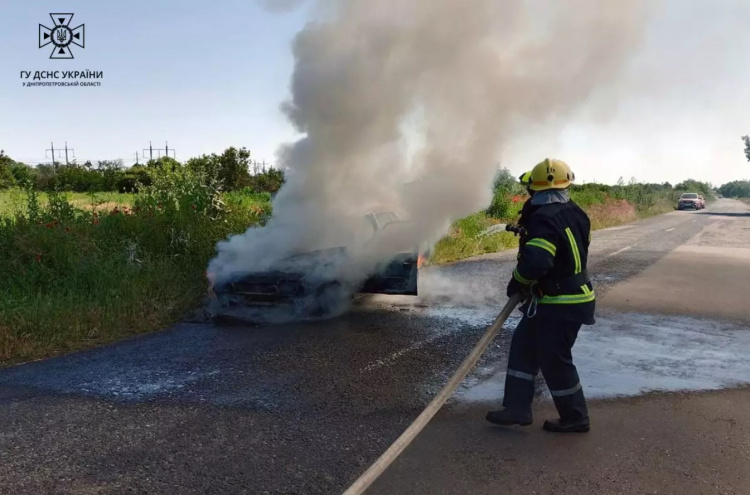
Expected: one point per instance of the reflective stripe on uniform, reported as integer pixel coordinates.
(521, 375)
(544, 244)
(564, 393)
(569, 298)
(521, 279)
(574, 249)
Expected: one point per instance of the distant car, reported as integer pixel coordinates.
(690, 201)
(307, 283)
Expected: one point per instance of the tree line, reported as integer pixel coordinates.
(736, 189)
(231, 168)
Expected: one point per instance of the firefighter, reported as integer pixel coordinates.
(558, 299)
(525, 180)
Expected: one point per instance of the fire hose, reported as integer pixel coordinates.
(390, 455)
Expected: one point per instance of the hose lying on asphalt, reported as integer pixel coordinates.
(390, 455)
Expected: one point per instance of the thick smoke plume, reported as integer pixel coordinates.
(405, 106)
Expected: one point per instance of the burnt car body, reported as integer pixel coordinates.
(307, 284)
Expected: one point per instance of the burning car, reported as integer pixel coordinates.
(313, 283)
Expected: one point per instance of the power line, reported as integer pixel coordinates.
(52, 150)
(47, 162)
(57, 153)
(166, 150)
(66, 153)
(259, 166)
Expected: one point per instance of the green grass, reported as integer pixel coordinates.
(464, 242)
(13, 202)
(75, 278)
(80, 270)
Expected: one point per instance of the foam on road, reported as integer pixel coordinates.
(633, 354)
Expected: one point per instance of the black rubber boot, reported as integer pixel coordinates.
(507, 417)
(560, 426)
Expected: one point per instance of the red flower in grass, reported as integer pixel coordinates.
(39, 258)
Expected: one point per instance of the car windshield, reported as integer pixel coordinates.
(689, 196)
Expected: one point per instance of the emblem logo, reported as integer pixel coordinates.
(61, 36)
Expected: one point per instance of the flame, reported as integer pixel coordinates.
(420, 261)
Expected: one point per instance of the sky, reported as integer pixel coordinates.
(206, 76)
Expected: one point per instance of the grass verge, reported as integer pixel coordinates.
(465, 239)
(80, 270)
(13, 201)
(73, 278)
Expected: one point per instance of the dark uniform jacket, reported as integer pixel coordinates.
(552, 260)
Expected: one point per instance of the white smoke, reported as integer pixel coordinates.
(406, 105)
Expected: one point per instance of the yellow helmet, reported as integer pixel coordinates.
(525, 179)
(551, 174)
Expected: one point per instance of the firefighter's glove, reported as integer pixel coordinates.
(515, 287)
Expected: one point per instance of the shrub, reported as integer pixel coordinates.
(508, 195)
(736, 189)
(269, 181)
(133, 178)
(75, 178)
(73, 278)
(7, 179)
(691, 185)
(174, 191)
(231, 168)
(22, 173)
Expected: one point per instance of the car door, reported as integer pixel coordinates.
(397, 276)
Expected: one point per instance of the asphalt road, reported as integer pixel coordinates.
(305, 408)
